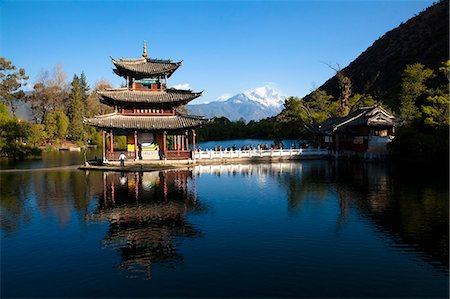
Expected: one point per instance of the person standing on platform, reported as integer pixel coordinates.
(122, 160)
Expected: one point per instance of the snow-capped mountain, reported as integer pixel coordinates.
(256, 104)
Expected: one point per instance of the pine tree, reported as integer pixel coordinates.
(76, 110)
(11, 80)
(84, 86)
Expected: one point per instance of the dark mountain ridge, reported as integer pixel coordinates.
(377, 71)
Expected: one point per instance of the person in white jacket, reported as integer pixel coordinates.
(122, 158)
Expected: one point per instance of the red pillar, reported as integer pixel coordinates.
(164, 140)
(182, 142)
(135, 145)
(175, 146)
(111, 142)
(103, 146)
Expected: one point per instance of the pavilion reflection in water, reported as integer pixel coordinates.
(147, 217)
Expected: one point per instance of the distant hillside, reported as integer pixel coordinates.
(377, 71)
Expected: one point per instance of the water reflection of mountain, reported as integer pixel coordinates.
(147, 216)
(410, 209)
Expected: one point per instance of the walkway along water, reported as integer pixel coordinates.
(214, 157)
(272, 153)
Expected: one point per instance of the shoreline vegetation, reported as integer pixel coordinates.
(58, 110)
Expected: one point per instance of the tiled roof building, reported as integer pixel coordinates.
(363, 131)
(146, 112)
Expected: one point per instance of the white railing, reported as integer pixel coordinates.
(211, 154)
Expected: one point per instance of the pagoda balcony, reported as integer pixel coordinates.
(150, 87)
(146, 112)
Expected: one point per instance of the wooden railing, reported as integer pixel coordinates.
(177, 155)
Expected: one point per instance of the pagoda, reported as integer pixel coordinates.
(147, 113)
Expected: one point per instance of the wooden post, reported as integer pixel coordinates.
(182, 142)
(111, 142)
(186, 137)
(135, 146)
(175, 142)
(164, 141)
(103, 146)
(164, 145)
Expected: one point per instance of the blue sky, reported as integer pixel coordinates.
(227, 47)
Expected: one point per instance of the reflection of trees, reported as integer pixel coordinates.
(309, 181)
(146, 214)
(14, 210)
(301, 180)
(411, 207)
(53, 191)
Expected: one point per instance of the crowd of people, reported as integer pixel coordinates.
(250, 147)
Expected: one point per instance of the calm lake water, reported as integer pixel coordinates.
(296, 229)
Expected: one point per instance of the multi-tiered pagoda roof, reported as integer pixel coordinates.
(146, 88)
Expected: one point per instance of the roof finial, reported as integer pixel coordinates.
(145, 50)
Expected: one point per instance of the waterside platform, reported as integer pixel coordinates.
(213, 158)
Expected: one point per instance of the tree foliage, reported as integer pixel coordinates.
(221, 128)
(56, 124)
(11, 80)
(414, 87)
(298, 116)
(18, 139)
(76, 110)
(424, 137)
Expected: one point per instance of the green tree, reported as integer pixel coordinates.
(299, 116)
(56, 124)
(361, 100)
(76, 110)
(36, 136)
(414, 81)
(84, 86)
(11, 80)
(424, 137)
(14, 135)
(436, 107)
